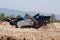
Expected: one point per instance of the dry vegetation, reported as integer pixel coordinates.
(8, 32)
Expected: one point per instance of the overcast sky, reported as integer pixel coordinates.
(50, 6)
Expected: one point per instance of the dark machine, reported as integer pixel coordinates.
(33, 22)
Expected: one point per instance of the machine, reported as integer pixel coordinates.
(33, 22)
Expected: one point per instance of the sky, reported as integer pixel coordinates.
(49, 6)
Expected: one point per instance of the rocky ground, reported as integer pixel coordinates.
(8, 32)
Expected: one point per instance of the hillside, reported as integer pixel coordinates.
(20, 12)
(15, 12)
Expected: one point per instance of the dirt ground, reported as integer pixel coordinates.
(50, 32)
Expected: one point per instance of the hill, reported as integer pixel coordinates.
(20, 12)
(15, 12)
